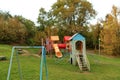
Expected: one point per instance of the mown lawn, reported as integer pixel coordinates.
(102, 68)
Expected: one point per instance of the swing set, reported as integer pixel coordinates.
(42, 62)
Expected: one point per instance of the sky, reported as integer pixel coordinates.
(30, 8)
(103, 7)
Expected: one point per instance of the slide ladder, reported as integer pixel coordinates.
(58, 53)
(82, 63)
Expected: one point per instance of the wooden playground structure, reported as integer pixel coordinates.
(53, 44)
(76, 47)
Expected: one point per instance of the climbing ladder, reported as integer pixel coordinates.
(83, 63)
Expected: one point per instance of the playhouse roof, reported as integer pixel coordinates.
(77, 36)
(66, 38)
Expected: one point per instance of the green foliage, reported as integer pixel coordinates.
(72, 12)
(88, 35)
(38, 37)
(42, 19)
(11, 30)
(30, 29)
(15, 29)
(95, 34)
(68, 16)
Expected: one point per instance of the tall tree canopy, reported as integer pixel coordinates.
(42, 19)
(75, 12)
(110, 35)
(69, 16)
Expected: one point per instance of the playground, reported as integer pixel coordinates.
(66, 40)
(57, 67)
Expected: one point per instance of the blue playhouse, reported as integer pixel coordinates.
(78, 52)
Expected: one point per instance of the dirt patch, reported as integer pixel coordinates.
(86, 72)
(27, 53)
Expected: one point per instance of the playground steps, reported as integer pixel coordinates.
(81, 63)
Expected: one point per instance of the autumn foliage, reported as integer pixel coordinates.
(110, 34)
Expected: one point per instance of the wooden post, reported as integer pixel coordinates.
(42, 42)
(99, 46)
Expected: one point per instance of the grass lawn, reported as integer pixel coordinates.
(102, 68)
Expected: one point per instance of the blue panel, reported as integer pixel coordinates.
(78, 37)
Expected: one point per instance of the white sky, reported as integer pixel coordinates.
(27, 8)
(103, 7)
(30, 8)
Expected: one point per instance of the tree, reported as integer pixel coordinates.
(72, 14)
(95, 30)
(12, 31)
(42, 19)
(15, 28)
(30, 27)
(67, 17)
(110, 34)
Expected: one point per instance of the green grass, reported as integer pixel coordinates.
(102, 68)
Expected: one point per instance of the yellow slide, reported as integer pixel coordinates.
(57, 51)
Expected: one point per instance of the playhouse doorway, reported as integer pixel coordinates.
(79, 46)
